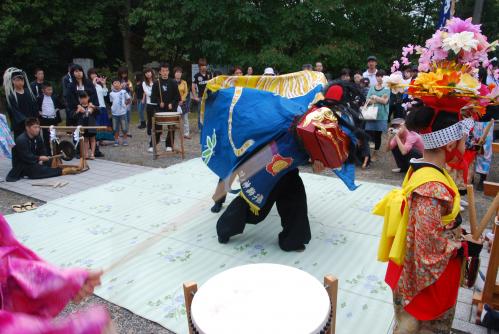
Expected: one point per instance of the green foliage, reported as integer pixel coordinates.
(283, 33)
(49, 33)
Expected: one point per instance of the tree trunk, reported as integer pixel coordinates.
(477, 11)
(125, 34)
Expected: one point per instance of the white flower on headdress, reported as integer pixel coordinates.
(461, 41)
(394, 82)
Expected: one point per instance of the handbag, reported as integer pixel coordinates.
(369, 112)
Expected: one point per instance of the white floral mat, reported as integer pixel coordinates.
(95, 227)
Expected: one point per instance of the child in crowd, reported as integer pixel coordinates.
(48, 107)
(120, 100)
(85, 115)
(127, 85)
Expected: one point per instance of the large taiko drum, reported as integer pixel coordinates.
(167, 118)
(261, 298)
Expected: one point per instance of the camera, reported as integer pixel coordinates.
(393, 131)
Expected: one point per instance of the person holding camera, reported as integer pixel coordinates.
(404, 145)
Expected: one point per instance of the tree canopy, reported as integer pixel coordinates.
(282, 33)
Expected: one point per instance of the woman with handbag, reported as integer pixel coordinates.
(376, 112)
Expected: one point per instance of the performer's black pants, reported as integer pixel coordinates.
(46, 132)
(402, 161)
(291, 201)
(150, 111)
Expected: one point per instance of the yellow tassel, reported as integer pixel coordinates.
(254, 209)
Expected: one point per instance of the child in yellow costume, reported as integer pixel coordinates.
(420, 238)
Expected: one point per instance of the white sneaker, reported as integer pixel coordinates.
(464, 203)
(480, 281)
(461, 208)
(169, 149)
(150, 150)
(396, 170)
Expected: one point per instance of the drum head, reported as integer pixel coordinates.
(261, 298)
(67, 150)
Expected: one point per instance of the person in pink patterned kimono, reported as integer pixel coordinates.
(33, 292)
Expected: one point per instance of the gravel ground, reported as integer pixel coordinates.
(136, 153)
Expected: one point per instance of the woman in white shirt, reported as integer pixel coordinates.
(146, 99)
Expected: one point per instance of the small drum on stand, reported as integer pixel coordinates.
(173, 121)
(261, 298)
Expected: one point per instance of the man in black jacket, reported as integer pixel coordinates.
(166, 96)
(67, 80)
(29, 157)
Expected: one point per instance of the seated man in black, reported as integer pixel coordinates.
(29, 156)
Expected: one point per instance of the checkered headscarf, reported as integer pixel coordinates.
(452, 133)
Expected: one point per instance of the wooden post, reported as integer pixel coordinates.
(490, 278)
(490, 188)
(471, 208)
(331, 285)
(153, 138)
(495, 147)
(181, 134)
(491, 212)
(190, 288)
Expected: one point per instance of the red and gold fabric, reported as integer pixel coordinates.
(323, 137)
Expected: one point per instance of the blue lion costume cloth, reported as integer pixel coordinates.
(244, 116)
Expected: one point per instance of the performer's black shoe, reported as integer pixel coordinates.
(142, 125)
(223, 240)
(298, 249)
(217, 207)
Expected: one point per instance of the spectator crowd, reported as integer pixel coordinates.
(91, 99)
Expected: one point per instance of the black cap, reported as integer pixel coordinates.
(372, 58)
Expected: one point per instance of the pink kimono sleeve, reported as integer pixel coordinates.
(30, 285)
(92, 321)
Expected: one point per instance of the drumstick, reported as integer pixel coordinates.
(42, 184)
(471, 208)
(250, 167)
(486, 132)
(490, 213)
